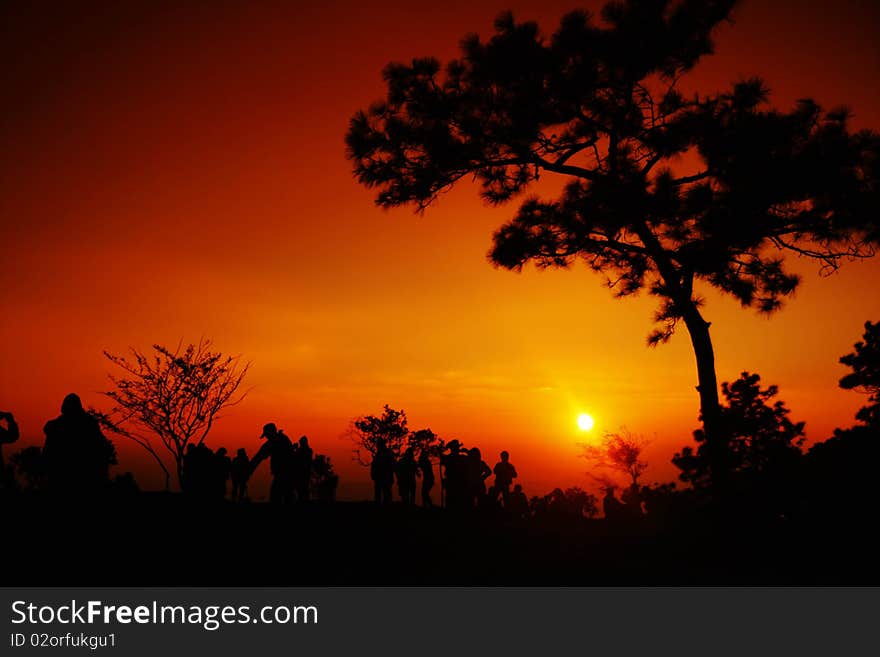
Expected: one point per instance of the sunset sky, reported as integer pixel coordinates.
(175, 172)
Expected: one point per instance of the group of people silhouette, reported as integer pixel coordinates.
(463, 479)
(76, 457)
(207, 473)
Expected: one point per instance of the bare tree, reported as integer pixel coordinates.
(620, 451)
(110, 425)
(176, 395)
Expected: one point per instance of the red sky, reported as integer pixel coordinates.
(175, 172)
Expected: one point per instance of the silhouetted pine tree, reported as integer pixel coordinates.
(665, 192)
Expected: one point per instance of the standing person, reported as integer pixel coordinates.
(8, 435)
(454, 476)
(517, 505)
(427, 470)
(76, 453)
(279, 450)
(476, 474)
(505, 473)
(200, 472)
(222, 467)
(302, 469)
(406, 476)
(239, 470)
(382, 473)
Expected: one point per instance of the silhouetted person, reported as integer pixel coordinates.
(8, 435)
(221, 469)
(477, 471)
(382, 473)
(426, 469)
(279, 450)
(406, 476)
(454, 480)
(200, 472)
(490, 503)
(505, 473)
(239, 471)
(302, 469)
(613, 508)
(75, 452)
(517, 504)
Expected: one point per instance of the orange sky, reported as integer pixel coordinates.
(175, 172)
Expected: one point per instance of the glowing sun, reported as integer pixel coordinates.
(585, 422)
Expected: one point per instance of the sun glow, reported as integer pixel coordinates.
(585, 422)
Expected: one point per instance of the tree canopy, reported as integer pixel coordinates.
(391, 430)
(599, 104)
(664, 191)
(763, 440)
(865, 375)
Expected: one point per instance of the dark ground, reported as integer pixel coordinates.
(162, 540)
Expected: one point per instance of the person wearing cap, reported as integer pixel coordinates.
(279, 450)
(454, 475)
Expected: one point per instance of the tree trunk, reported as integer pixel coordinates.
(710, 406)
(180, 473)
